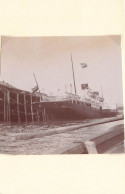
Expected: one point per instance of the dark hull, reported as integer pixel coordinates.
(70, 111)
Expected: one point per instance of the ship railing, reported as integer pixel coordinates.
(73, 100)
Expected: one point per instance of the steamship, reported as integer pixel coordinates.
(73, 107)
(23, 106)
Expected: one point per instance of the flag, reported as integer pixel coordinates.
(84, 86)
(35, 89)
(83, 65)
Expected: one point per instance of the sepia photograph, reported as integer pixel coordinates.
(61, 95)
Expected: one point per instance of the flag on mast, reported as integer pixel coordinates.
(84, 86)
(83, 65)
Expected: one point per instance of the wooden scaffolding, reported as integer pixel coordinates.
(17, 105)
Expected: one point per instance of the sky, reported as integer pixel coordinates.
(50, 59)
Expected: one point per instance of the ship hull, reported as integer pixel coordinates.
(71, 111)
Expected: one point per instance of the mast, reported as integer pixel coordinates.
(73, 75)
(37, 85)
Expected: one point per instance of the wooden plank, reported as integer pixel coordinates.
(38, 116)
(110, 134)
(91, 147)
(118, 148)
(18, 109)
(4, 106)
(25, 108)
(44, 112)
(77, 148)
(31, 101)
(8, 98)
(109, 143)
(42, 116)
(7, 106)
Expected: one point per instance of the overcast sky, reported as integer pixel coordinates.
(50, 59)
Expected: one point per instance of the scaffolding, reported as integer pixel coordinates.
(17, 105)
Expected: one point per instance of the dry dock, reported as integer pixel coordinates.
(55, 138)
